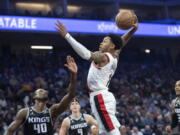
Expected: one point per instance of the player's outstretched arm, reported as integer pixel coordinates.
(127, 36)
(56, 109)
(64, 127)
(82, 51)
(20, 118)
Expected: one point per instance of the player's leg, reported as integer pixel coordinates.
(96, 115)
(105, 105)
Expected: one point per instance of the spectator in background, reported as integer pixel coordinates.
(123, 130)
(135, 131)
(147, 130)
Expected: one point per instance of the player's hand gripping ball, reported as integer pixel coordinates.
(125, 19)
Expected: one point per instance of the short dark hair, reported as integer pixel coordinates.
(75, 100)
(117, 41)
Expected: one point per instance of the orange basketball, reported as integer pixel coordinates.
(125, 19)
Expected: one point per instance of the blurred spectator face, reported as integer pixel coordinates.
(147, 127)
(123, 130)
(9, 116)
(135, 129)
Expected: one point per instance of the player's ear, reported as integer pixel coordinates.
(112, 46)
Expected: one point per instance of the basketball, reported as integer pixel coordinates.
(125, 19)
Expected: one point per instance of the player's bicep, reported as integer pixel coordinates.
(20, 118)
(64, 127)
(91, 121)
(98, 57)
(58, 108)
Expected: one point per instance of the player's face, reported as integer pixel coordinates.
(41, 96)
(177, 88)
(106, 45)
(75, 107)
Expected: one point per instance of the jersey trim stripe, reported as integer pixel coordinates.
(101, 109)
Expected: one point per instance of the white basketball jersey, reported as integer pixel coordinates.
(99, 77)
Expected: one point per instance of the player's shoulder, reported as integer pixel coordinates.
(87, 116)
(22, 112)
(66, 121)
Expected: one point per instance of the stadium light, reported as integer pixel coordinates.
(42, 47)
(147, 51)
(33, 6)
(73, 8)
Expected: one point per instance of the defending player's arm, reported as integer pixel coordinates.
(56, 109)
(93, 123)
(64, 127)
(127, 36)
(20, 118)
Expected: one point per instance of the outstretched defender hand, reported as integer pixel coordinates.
(71, 65)
(61, 28)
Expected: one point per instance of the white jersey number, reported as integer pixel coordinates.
(80, 131)
(40, 128)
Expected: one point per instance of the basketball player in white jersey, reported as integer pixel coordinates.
(103, 66)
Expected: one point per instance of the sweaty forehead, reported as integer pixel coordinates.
(40, 91)
(107, 38)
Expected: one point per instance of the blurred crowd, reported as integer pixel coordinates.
(143, 89)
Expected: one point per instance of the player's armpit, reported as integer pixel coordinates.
(20, 118)
(99, 58)
(64, 127)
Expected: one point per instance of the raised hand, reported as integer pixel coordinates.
(135, 25)
(71, 65)
(61, 28)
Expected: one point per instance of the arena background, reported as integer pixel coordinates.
(147, 71)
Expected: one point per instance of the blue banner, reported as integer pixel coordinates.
(37, 24)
